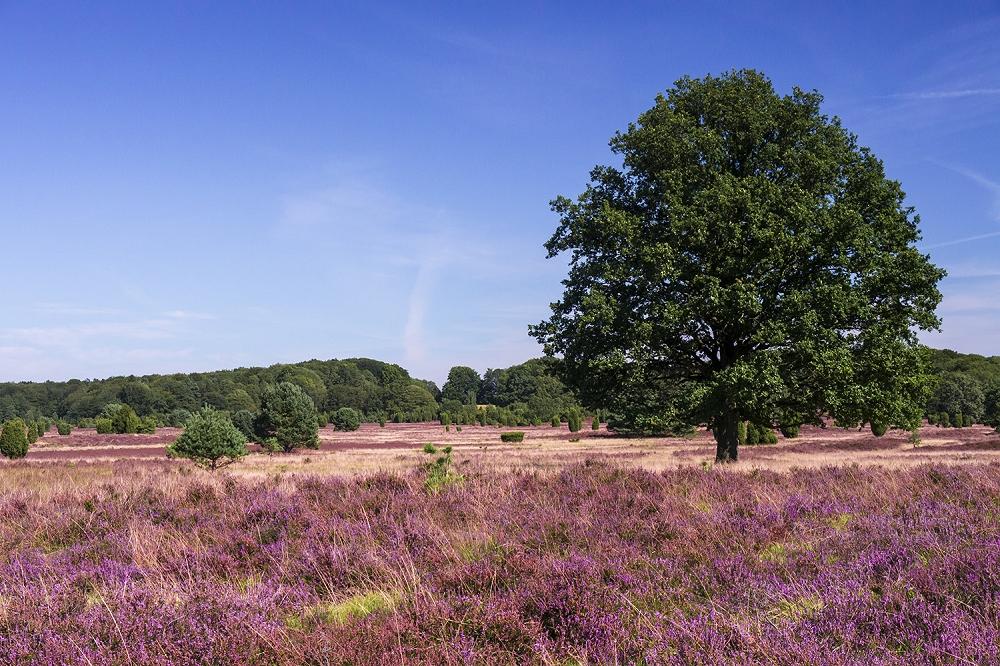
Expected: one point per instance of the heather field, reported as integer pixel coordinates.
(835, 547)
(154, 562)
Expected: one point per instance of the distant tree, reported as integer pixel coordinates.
(288, 415)
(64, 428)
(14, 439)
(556, 423)
(147, 425)
(489, 388)
(991, 404)
(32, 432)
(749, 260)
(178, 417)
(210, 440)
(239, 399)
(462, 385)
(346, 419)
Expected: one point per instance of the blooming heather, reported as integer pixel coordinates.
(161, 564)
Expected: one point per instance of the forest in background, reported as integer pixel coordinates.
(521, 394)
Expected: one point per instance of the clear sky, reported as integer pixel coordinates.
(191, 186)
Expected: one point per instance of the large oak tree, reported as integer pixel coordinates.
(748, 261)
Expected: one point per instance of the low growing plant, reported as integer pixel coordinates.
(514, 436)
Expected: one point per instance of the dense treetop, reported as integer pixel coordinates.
(748, 261)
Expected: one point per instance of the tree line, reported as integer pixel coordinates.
(377, 391)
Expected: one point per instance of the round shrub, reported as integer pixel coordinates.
(595, 423)
(789, 431)
(741, 433)
(879, 429)
(968, 421)
(32, 433)
(957, 419)
(556, 423)
(104, 426)
(210, 440)
(514, 436)
(346, 419)
(14, 439)
(125, 421)
(64, 428)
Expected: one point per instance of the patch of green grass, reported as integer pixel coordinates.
(840, 521)
(357, 607)
(794, 610)
(775, 552)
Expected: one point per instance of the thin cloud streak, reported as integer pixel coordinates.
(947, 94)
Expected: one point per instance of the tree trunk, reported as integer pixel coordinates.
(727, 436)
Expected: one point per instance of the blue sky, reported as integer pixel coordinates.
(192, 186)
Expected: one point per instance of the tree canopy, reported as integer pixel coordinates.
(749, 261)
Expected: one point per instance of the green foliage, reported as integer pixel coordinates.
(742, 432)
(968, 421)
(991, 404)
(64, 428)
(178, 417)
(463, 385)
(757, 434)
(439, 472)
(243, 420)
(147, 425)
(515, 436)
(346, 419)
(288, 415)
(32, 432)
(595, 423)
(14, 439)
(879, 429)
(957, 420)
(322, 419)
(556, 423)
(210, 440)
(944, 420)
(574, 420)
(789, 431)
(42, 426)
(749, 260)
(957, 392)
(124, 420)
(445, 419)
(104, 426)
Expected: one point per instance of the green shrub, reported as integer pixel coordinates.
(878, 428)
(288, 415)
(439, 472)
(210, 440)
(322, 419)
(147, 425)
(125, 420)
(757, 434)
(595, 423)
(574, 420)
(32, 433)
(968, 421)
(789, 431)
(513, 436)
(445, 419)
(556, 423)
(943, 420)
(753, 435)
(104, 426)
(957, 419)
(43, 427)
(64, 428)
(14, 439)
(932, 418)
(381, 421)
(741, 433)
(346, 419)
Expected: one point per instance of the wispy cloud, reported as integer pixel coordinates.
(947, 94)
(967, 239)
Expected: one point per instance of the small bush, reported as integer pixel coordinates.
(957, 420)
(943, 420)
(64, 428)
(288, 415)
(968, 421)
(322, 419)
(179, 417)
(125, 421)
(14, 439)
(789, 431)
(760, 435)
(445, 419)
(32, 433)
(439, 472)
(346, 419)
(104, 426)
(574, 420)
(741, 433)
(556, 423)
(43, 427)
(514, 436)
(879, 429)
(595, 423)
(932, 419)
(210, 440)
(147, 425)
